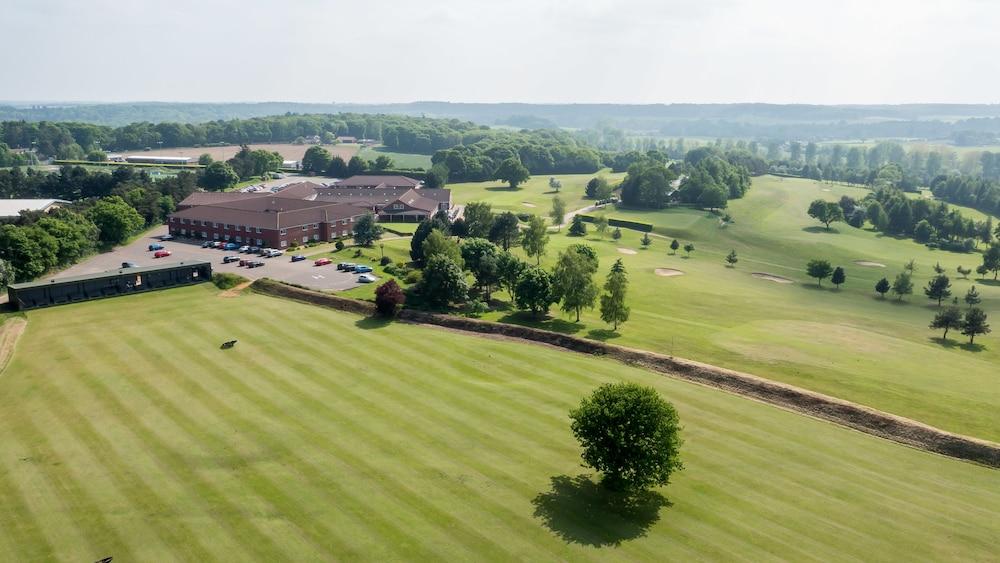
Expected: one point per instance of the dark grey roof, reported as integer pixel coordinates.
(110, 274)
(366, 181)
(271, 212)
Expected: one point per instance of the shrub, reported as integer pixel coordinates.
(388, 298)
(524, 217)
(339, 245)
(476, 309)
(635, 225)
(413, 277)
(385, 261)
(225, 280)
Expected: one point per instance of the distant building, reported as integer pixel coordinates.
(347, 139)
(373, 181)
(156, 159)
(293, 164)
(11, 208)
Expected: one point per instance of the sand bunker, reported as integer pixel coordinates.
(826, 189)
(868, 264)
(527, 204)
(627, 251)
(668, 272)
(771, 277)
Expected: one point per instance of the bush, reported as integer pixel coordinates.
(385, 261)
(388, 298)
(476, 309)
(339, 245)
(413, 277)
(524, 217)
(225, 280)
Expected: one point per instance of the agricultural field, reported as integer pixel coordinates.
(534, 196)
(766, 317)
(287, 150)
(399, 159)
(323, 435)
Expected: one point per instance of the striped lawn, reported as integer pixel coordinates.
(126, 431)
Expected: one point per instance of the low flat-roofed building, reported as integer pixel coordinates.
(10, 208)
(157, 159)
(71, 289)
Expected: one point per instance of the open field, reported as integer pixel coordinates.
(287, 150)
(340, 437)
(845, 343)
(534, 196)
(399, 159)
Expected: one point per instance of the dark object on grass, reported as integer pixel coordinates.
(229, 344)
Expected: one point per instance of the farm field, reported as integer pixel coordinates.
(399, 159)
(340, 437)
(845, 342)
(287, 150)
(534, 196)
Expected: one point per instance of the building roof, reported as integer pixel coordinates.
(109, 274)
(270, 212)
(378, 196)
(364, 181)
(14, 207)
(157, 158)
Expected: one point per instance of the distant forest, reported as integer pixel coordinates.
(962, 124)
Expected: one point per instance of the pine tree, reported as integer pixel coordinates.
(947, 319)
(646, 241)
(882, 287)
(939, 288)
(613, 308)
(975, 323)
(972, 297)
(674, 245)
(732, 259)
(903, 285)
(839, 276)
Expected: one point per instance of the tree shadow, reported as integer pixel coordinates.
(988, 282)
(580, 511)
(526, 318)
(370, 323)
(502, 189)
(603, 334)
(820, 229)
(943, 342)
(974, 347)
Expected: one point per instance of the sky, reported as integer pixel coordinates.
(541, 51)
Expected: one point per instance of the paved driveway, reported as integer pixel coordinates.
(280, 268)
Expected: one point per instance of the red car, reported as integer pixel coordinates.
(323, 262)
(161, 254)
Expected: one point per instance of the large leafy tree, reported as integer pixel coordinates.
(513, 172)
(558, 211)
(630, 434)
(366, 230)
(443, 282)
(826, 212)
(902, 285)
(614, 310)
(504, 230)
(482, 258)
(218, 176)
(975, 323)
(478, 219)
(337, 168)
(938, 288)
(947, 319)
(819, 269)
(573, 279)
(115, 219)
(533, 291)
(535, 238)
(437, 244)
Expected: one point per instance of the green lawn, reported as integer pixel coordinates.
(534, 196)
(127, 432)
(842, 342)
(399, 159)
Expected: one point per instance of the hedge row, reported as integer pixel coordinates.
(623, 223)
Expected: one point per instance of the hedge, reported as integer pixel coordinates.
(623, 223)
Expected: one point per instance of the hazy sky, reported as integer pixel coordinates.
(641, 51)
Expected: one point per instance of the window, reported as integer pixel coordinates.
(315, 237)
(204, 234)
(184, 232)
(215, 236)
(344, 222)
(239, 227)
(184, 221)
(284, 244)
(305, 239)
(227, 237)
(256, 230)
(305, 227)
(215, 225)
(239, 238)
(260, 242)
(284, 231)
(138, 281)
(397, 206)
(228, 226)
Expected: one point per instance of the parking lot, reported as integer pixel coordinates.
(279, 268)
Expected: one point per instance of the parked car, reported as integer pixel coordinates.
(298, 258)
(217, 244)
(129, 265)
(323, 262)
(366, 278)
(243, 248)
(346, 266)
(155, 246)
(161, 254)
(255, 263)
(167, 236)
(230, 258)
(362, 269)
(231, 246)
(253, 250)
(273, 253)
(206, 244)
(245, 261)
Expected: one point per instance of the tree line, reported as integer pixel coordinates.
(107, 210)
